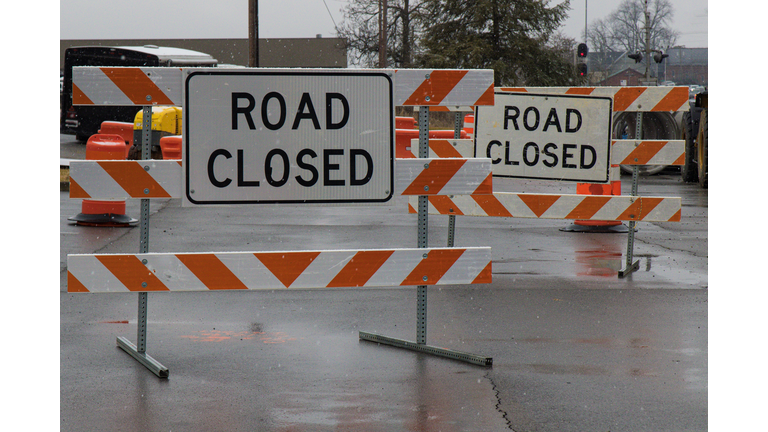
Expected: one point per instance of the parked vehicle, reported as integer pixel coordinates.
(84, 121)
(695, 132)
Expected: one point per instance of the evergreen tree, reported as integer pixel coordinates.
(515, 38)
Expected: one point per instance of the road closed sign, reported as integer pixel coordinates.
(546, 137)
(254, 136)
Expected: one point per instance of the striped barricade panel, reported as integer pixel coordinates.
(648, 152)
(646, 99)
(553, 206)
(125, 179)
(93, 85)
(443, 176)
(162, 178)
(273, 270)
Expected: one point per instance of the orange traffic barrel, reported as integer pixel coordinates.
(405, 123)
(403, 139)
(170, 146)
(122, 129)
(612, 188)
(106, 213)
(469, 124)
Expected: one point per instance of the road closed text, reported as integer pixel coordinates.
(546, 137)
(294, 138)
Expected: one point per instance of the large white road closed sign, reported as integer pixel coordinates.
(288, 136)
(546, 137)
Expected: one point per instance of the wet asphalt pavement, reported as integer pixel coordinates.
(574, 347)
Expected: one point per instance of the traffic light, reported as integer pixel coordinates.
(582, 50)
(581, 68)
(637, 57)
(659, 56)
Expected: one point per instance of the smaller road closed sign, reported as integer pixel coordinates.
(546, 137)
(258, 136)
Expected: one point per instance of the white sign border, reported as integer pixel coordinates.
(186, 196)
(575, 96)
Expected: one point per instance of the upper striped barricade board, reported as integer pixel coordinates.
(274, 270)
(645, 99)
(128, 179)
(553, 206)
(94, 85)
(624, 152)
(648, 152)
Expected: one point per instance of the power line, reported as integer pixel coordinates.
(329, 13)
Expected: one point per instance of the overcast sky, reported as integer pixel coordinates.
(203, 19)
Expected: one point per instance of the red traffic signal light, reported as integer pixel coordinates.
(582, 50)
(581, 68)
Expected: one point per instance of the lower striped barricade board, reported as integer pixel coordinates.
(273, 270)
(553, 206)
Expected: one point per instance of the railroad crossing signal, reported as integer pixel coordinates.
(582, 50)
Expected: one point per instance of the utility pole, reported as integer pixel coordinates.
(382, 34)
(647, 43)
(253, 33)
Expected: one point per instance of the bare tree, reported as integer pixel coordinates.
(361, 29)
(624, 29)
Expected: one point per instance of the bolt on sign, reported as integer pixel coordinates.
(288, 136)
(546, 137)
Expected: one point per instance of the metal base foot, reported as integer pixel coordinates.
(635, 266)
(105, 220)
(143, 358)
(596, 229)
(442, 352)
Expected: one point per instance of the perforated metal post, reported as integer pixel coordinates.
(138, 351)
(458, 123)
(421, 290)
(632, 266)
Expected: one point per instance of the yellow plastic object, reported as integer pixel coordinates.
(164, 119)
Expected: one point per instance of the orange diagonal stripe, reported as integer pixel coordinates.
(444, 205)
(580, 90)
(436, 87)
(78, 97)
(676, 217)
(485, 276)
(434, 266)
(75, 191)
(440, 172)
(137, 86)
(588, 207)
(487, 97)
(538, 203)
(639, 209)
(491, 205)
(211, 271)
(132, 177)
(676, 98)
(131, 272)
(486, 187)
(625, 96)
(443, 148)
(287, 266)
(644, 152)
(360, 268)
(74, 285)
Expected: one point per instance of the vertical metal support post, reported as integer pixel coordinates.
(421, 291)
(458, 123)
(139, 350)
(632, 266)
(423, 225)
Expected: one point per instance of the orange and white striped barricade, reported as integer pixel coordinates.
(274, 270)
(109, 212)
(161, 179)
